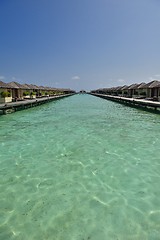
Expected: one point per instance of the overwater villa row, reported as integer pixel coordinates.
(14, 91)
(149, 91)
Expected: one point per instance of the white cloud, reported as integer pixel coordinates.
(121, 80)
(2, 77)
(75, 78)
(151, 78)
(154, 77)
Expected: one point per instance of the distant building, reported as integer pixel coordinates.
(82, 91)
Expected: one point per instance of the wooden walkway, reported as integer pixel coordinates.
(24, 104)
(132, 101)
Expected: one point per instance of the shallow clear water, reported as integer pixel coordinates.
(80, 168)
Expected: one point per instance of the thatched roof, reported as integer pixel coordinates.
(107, 89)
(118, 88)
(140, 85)
(26, 86)
(125, 87)
(4, 85)
(113, 88)
(16, 85)
(30, 86)
(151, 84)
(157, 86)
(104, 89)
(154, 84)
(33, 86)
(133, 86)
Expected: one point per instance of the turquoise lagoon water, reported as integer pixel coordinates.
(80, 168)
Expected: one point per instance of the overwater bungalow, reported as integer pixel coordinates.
(149, 90)
(54, 91)
(42, 91)
(124, 90)
(26, 91)
(17, 91)
(131, 90)
(5, 92)
(82, 91)
(118, 91)
(35, 90)
(104, 90)
(39, 91)
(156, 90)
(50, 91)
(66, 91)
(108, 91)
(138, 90)
(153, 89)
(32, 91)
(112, 90)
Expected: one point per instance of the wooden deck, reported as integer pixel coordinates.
(21, 105)
(132, 101)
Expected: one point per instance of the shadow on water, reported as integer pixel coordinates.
(143, 108)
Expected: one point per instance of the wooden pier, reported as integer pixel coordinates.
(25, 104)
(143, 103)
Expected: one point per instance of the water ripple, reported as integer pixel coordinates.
(80, 168)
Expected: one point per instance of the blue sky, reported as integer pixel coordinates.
(79, 44)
